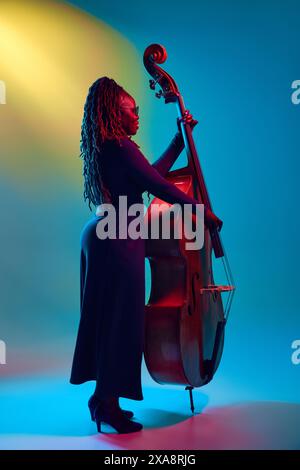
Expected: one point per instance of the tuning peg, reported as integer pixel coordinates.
(158, 95)
(152, 84)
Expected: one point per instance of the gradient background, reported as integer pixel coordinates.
(234, 63)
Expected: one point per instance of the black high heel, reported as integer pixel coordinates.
(113, 416)
(94, 401)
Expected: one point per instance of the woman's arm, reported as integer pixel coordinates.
(146, 177)
(170, 155)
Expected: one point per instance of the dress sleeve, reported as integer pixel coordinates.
(142, 172)
(170, 155)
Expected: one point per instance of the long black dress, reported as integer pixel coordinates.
(110, 336)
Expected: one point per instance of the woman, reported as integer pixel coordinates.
(109, 343)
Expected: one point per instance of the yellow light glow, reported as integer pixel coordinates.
(50, 54)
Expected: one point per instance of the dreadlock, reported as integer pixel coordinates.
(101, 122)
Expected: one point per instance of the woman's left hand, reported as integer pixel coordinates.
(187, 118)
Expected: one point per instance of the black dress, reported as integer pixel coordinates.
(110, 336)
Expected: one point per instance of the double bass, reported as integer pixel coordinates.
(185, 316)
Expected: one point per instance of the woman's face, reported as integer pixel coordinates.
(129, 114)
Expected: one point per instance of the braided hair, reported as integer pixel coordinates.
(101, 122)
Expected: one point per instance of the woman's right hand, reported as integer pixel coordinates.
(212, 221)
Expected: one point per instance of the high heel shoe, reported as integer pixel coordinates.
(113, 416)
(93, 402)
